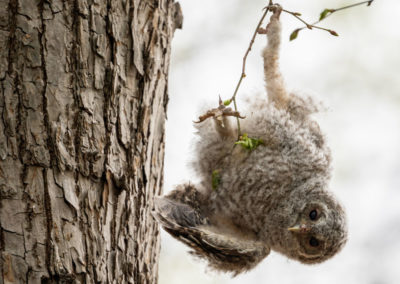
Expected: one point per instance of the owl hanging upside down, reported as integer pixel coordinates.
(273, 197)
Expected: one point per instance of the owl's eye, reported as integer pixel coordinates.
(313, 242)
(313, 214)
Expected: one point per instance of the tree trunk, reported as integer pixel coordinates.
(82, 108)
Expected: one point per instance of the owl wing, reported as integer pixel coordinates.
(223, 250)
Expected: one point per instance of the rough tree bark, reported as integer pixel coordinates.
(82, 108)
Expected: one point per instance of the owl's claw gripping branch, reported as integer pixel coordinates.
(276, 9)
(219, 112)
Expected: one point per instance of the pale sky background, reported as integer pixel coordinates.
(357, 75)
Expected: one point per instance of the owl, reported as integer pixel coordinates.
(272, 197)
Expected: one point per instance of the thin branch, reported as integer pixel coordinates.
(308, 26)
(331, 11)
(354, 5)
(233, 98)
(296, 15)
(248, 51)
(328, 12)
(237, 119)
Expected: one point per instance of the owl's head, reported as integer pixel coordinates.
(317, 228)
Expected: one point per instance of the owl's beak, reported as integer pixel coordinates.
(302, 228)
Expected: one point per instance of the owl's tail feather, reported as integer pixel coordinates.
(223, 251)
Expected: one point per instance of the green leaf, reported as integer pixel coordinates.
(248, 142)
(227, 102)
(324, 14)
(251, 144)
(294, 34)
(215, 179)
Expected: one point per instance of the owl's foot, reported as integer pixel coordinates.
(276, 9)
(219, 112)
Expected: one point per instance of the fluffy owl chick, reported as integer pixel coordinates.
(271, 198)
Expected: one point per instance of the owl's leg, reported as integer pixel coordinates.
(224, 249)
(273, 77)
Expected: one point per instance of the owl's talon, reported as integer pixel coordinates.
(276, 10)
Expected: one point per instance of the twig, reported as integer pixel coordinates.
(325, 14)
(308, 26)
(233, 98)
(354, 5)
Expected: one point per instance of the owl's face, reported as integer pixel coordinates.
(316, 231)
